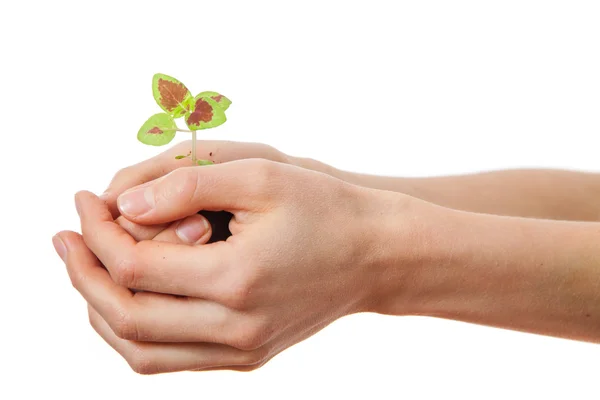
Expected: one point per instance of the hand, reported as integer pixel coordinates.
(216, 151)
(156, 167)
(306, 249)
(197, 228)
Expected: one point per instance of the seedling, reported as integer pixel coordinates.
(204, 111)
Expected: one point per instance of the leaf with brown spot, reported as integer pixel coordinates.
(158, 130)
(221, 100)
(205, 114)
(171, 95)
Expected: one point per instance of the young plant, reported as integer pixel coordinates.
(205, 110)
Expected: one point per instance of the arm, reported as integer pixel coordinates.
(549, 194)
(530, 275)
(306, 250)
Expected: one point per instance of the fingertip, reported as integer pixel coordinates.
(83, 195)
(70, 238)
(194, 229)
(59, 247)
(65, 242)
(136, 202)
(90, 207)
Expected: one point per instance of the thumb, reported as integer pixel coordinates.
(234, 186)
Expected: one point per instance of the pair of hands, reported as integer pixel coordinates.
(306, 249)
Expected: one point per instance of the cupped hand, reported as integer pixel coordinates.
(305, 250)
(162, 164)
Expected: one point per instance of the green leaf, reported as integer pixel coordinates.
(171, 95)
(158, 130)
(221, 100)
(204, 162)
(205, 114)
(180, 157)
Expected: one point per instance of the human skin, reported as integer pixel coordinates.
(236, 304)
(547, 194)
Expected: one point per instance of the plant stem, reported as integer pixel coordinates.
(182, 130)
(194, 147)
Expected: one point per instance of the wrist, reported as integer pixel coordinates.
(411, 240)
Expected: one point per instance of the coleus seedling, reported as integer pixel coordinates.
(205, 110)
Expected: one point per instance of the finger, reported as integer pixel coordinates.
(147, 316)
(248, 185)
(194, 229)
(143, 172)
(91, 280)
(140, 232)
(155, 358)
(149, 265)
(217, 151)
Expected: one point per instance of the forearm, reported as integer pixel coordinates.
(537, 276)
(548, 194)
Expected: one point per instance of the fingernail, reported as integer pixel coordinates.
(104, 196)
(136, 202)
(191, 229)
(60, 247)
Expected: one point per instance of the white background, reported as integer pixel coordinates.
(413, 88)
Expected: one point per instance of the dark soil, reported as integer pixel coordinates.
(219, 220)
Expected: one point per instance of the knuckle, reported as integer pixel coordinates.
(251, 338)
(182, 186)
(141, 362)
(124, 272)
(247, 342)
(240, 291)
(77, 279)
(263, 174)
(264, 170)
(124, 325)
(236, 298)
